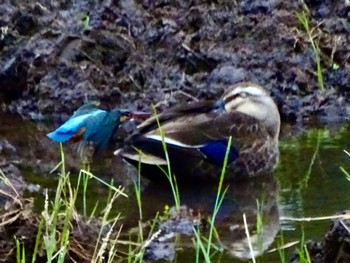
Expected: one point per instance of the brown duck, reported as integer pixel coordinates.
(196, 136)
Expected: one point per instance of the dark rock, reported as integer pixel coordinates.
(336, 245)
(337, 242)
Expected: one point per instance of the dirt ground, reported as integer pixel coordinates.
(54, 55)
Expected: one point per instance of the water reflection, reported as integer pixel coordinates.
(311, 181)
(256, 198)
(310, 184)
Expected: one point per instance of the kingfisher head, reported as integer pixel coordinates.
(124, 115)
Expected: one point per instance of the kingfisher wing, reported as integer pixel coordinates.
(101, 127)
(74, 128)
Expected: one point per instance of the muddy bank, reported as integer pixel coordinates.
(53, 56)
(335, 247)
(156, 236)
(19, 223)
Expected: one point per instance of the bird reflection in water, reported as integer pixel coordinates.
(255, 197)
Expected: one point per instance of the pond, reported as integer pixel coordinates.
(307, 183)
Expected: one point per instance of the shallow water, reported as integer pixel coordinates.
(308, 183)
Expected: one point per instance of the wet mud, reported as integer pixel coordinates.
(54, 56)
(335, 247)
(18, 220)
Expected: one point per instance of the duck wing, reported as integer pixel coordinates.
(198, 130)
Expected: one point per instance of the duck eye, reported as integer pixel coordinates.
(219, 105)
(243, 94)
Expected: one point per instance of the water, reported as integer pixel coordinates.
(308, 183)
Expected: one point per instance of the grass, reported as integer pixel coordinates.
(53, 233)
(304, 19)
(54, 249)
(171, 177)
(219, 196)
(205, 245)
(20, 252)
(281, 251)
(56, 222)
(303, 253)
(305, 180)
(344, 171)
(55, 225)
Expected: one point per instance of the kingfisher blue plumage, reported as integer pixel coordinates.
(196, 135)
(91, 124)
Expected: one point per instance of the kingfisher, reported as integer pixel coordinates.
(197, 134)
(93, 125)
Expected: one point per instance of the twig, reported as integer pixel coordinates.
(308, 219)
(248, 238)
(290, 244)
(345, 226)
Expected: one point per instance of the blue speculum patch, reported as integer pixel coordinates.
(216, 150)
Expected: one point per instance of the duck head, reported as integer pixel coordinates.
(253, 100)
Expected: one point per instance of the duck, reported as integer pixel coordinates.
(196, 136)
(92, 125)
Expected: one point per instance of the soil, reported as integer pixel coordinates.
(19, 220)
(54, 55)
(335, 248)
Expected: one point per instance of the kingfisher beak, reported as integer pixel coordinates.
(135, 115)
(140, 115)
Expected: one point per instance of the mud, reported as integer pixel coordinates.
(18, 220)
(335, 247)
(54, 56)
(9, 161)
